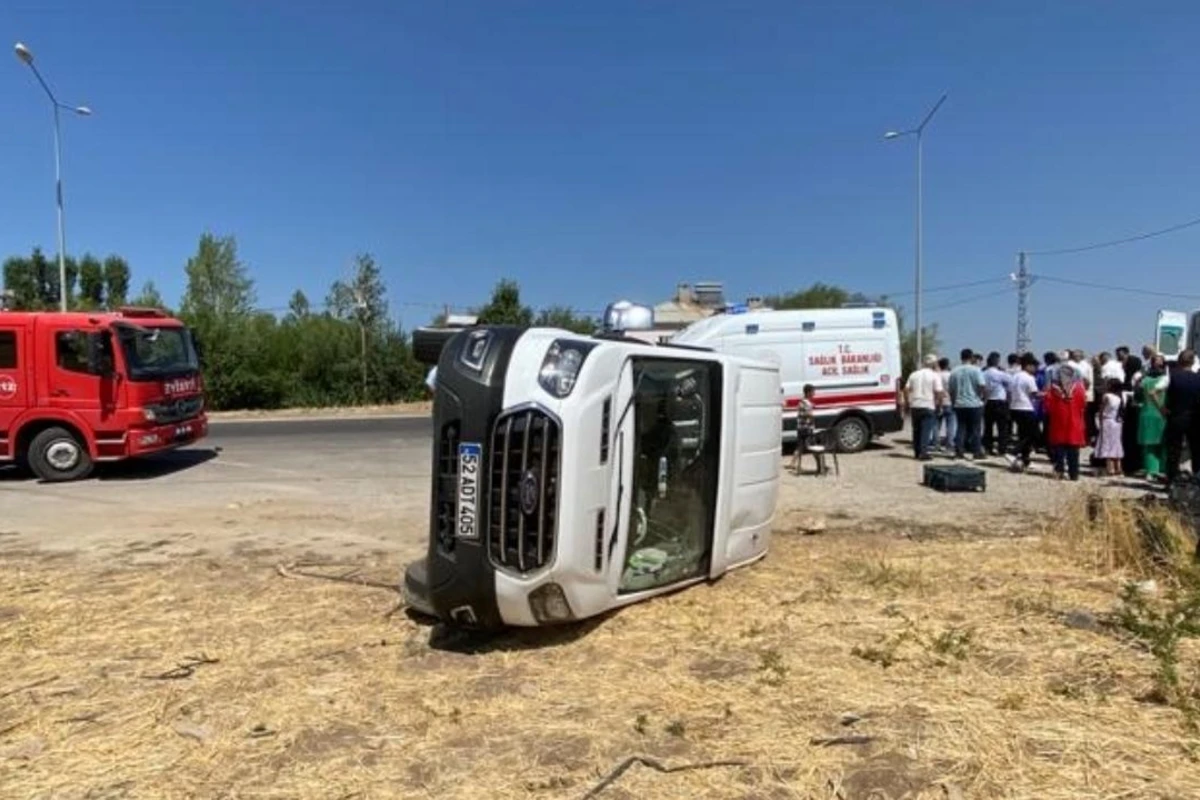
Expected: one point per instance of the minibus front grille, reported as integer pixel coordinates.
(523, 501)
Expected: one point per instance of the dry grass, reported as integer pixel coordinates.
(951, 656)
(1123, 538)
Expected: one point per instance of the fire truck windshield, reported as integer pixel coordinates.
(158, 352)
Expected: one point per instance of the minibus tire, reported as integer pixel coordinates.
(54, 444)
(854, 429)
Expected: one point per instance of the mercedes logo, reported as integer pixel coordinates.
(529, 492)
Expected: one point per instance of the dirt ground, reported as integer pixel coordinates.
(243, 639)
(364, 490)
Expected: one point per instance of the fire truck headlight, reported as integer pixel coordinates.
(149, 414)
(549, 604)
(560, 367)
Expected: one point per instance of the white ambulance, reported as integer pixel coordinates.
(1176, 331)
(851, 356)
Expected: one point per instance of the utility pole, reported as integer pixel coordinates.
(1023, 280)
(360, 306)
(26, 57)
(919, 132)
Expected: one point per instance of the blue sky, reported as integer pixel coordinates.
(610, 149)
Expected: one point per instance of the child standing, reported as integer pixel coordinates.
(1109, 418)
(806, 424)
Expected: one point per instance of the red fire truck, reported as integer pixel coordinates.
(77, 388)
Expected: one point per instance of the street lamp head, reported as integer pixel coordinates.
(82, 111)
(23, 53)
(893, 135)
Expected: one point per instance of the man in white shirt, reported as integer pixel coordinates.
(1110, 368)
(923, 394)
(1020, 405)
(997, 384)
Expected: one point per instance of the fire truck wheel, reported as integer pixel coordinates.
(851, 435)
(56, 455)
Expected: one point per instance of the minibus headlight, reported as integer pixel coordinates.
(549, 604)
(560, 367)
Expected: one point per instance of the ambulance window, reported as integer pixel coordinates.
(71, 352)
(8, 350)
(1170, 340)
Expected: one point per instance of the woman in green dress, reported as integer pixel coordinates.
(1151, 421)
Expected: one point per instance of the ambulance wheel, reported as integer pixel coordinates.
(57, 455)
(851, 435)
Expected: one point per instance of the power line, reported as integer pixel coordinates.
(1114, 242)
(1112, 288)
(947, 288)
(972, 299)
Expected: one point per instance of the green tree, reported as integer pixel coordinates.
(20, 280)
(218, 304)
(218, 285)
(91, 283)
(116, 281)
(819, 295)
(298, 306)
(565, 318)
(149, 297)
(505, 306)
(45, 278)
(362, 301)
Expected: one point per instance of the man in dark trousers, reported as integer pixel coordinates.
(1183, 414)
(996, 426)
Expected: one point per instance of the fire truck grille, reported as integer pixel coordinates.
(523, 518)
(447, 481)
(178, 410)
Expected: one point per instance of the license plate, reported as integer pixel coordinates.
(470, 460)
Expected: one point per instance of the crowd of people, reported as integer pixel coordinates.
(1135, 413)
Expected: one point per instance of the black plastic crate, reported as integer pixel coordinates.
(955, 478)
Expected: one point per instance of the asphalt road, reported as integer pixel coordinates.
(308, 484)
(349, 429)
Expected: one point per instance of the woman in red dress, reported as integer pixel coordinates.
(1066, 411)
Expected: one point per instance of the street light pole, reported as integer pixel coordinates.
(24, 54)
(919, 132)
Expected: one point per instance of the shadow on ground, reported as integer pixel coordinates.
(134, 469)
(137, 469)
